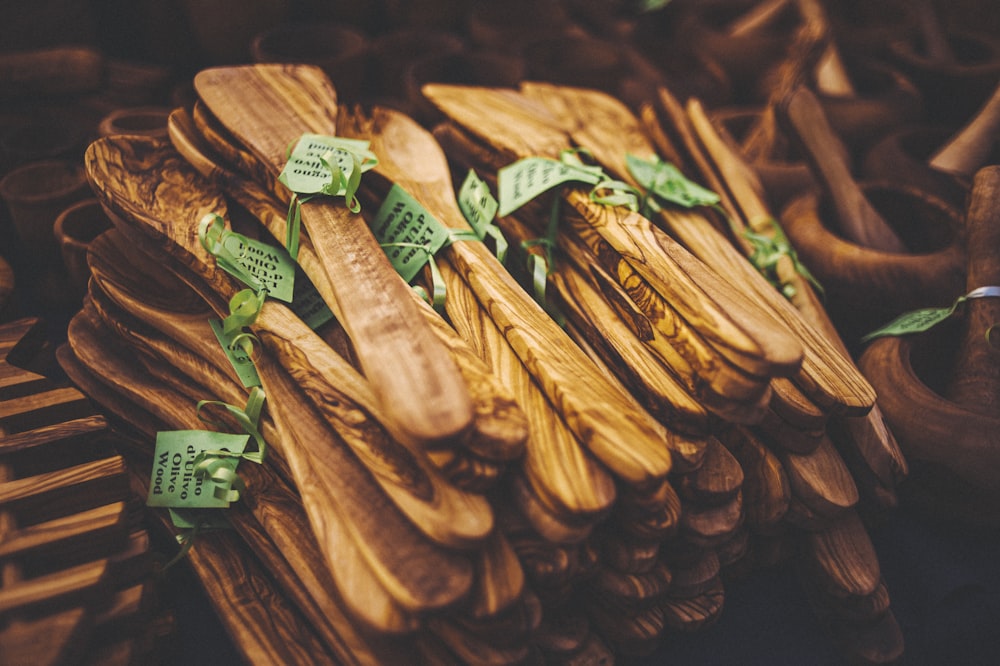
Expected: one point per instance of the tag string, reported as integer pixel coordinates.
(248, 418)
(344, 180)
(213, 234)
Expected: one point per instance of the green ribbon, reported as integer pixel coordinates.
(212, 234)
(438, 294)
(922, 320)
(768, 251)
(665, 181)
(479, 208)
(344, 161)
(247, 417)
(244, 308)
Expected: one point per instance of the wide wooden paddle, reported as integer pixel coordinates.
(499, 428)
(602, 414)
(803, 117)
(267, 108)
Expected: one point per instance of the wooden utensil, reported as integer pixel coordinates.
(624, 438)
(272, 502)
(266, 107)
(826, 376)
(868, 434)
(805, 119)
(695, 290)
(321, 495)
(498, 430)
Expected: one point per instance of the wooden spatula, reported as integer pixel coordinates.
(624, 438)
(267, 108)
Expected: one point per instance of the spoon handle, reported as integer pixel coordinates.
(860, 222)
(971, 147)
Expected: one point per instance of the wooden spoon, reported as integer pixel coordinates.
(697, 292)
(827, 377)
(499, 428)
(601, 414)
(271, 501)
(266, 107)
(110, 166)
(804, 118)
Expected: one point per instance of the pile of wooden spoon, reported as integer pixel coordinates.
(787, 446)
(488, 486)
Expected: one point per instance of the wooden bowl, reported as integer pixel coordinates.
(866, 288)
(956, 451)
(144, 120)
(953, 92)
(74, 229)
(902, 156)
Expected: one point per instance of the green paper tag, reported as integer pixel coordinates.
(477, 203)
(271, 266)
(189, 519)
(411, 234)
(306, 173)
(522, 181)
(173, 480)
(308, 304)
(667, 182)
(237, 354)
(922, 320)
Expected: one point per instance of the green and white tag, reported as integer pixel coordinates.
(525, 179)
(320, 164)
(409, 234)
(174, 481)
(666, 181)
(270, 265)
(479, 208)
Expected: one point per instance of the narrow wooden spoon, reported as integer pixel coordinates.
(427, 576)
(628, 440)
(266, 108)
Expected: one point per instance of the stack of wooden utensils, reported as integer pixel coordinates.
(489, 486)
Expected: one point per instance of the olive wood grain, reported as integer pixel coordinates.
(657, 257)
(448, 515)
(278, 516)
(821, 480)
(342, 400)
(628, 440)
(620, 347)
(826, 376)
(868, 434)
(361, 591)
(766, 489)
(803, 117)
(716, 382)
(266, 107)
(843, 558)
(498, 430)
(717, 479)
(562, 472)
